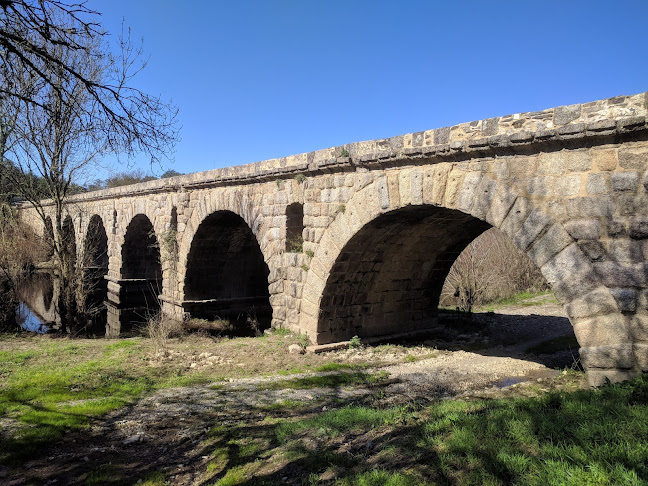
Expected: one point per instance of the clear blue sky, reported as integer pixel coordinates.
(256, 80)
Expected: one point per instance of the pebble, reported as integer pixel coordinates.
(132, 440)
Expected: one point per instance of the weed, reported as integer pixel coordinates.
(341, 208)
(310, 253)
(295, 244)
(300, 178)
(279, 183)
(305, 267)
(355, 343)
(344, 153)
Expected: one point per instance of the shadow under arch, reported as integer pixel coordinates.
(94, 266)
(141, 273)
(388, 277)
(226, 274)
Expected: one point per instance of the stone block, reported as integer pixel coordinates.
(393, 188)
(545, 247)
(624, 181)
(599, 301)
(566, 114)
(641, 356)
(540, 186)
(588, 207)
(453, 186)
(602, 330)
(434, 183)
(417, 186)
(597, 183)
(605, 160)
(570, 274)
(630, 204)
(552, 163)
(584, 229)
(500, 206)
(620, 356)
(484, 196)
(626, 299)
(537, 222)
(614, 274)
(638, 327)
(579, 161)
(616, 228)
(516, 216)
(598, 377)
(625, 250)
(639, 228)
(632, 158)
(468, 192)
(568, 185)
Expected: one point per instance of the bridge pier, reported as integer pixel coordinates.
(130, 303)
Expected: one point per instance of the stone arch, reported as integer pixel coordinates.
(599, 326)
(237, 203)
(141, 268)
(94, 268)
(68, 243)
(226, 274)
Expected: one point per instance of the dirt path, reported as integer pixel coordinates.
(165, 432)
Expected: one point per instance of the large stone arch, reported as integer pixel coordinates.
(601, 329)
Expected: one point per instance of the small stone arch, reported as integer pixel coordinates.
(141, 269)
(485, 202)
(226, 274)
(94, 268)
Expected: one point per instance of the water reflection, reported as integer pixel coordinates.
(29, 321)
(37, 309)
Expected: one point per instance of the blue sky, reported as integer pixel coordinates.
(256, 80)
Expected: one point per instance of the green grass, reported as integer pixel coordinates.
(49, 400)
(592, 437)
(521, 299)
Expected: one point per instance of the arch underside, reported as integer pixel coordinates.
(226, 275)
(388, 277)
(141, 273)
(95, 268)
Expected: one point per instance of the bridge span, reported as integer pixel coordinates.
(358, 239)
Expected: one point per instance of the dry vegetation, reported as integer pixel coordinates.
(490, 268)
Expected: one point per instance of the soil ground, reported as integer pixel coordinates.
(168, 434)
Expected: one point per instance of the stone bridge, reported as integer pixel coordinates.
(358, 239)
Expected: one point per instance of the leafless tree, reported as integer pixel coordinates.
(491, 267)
(75, 106)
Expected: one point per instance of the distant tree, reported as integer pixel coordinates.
(170, 173)
(128, 178)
